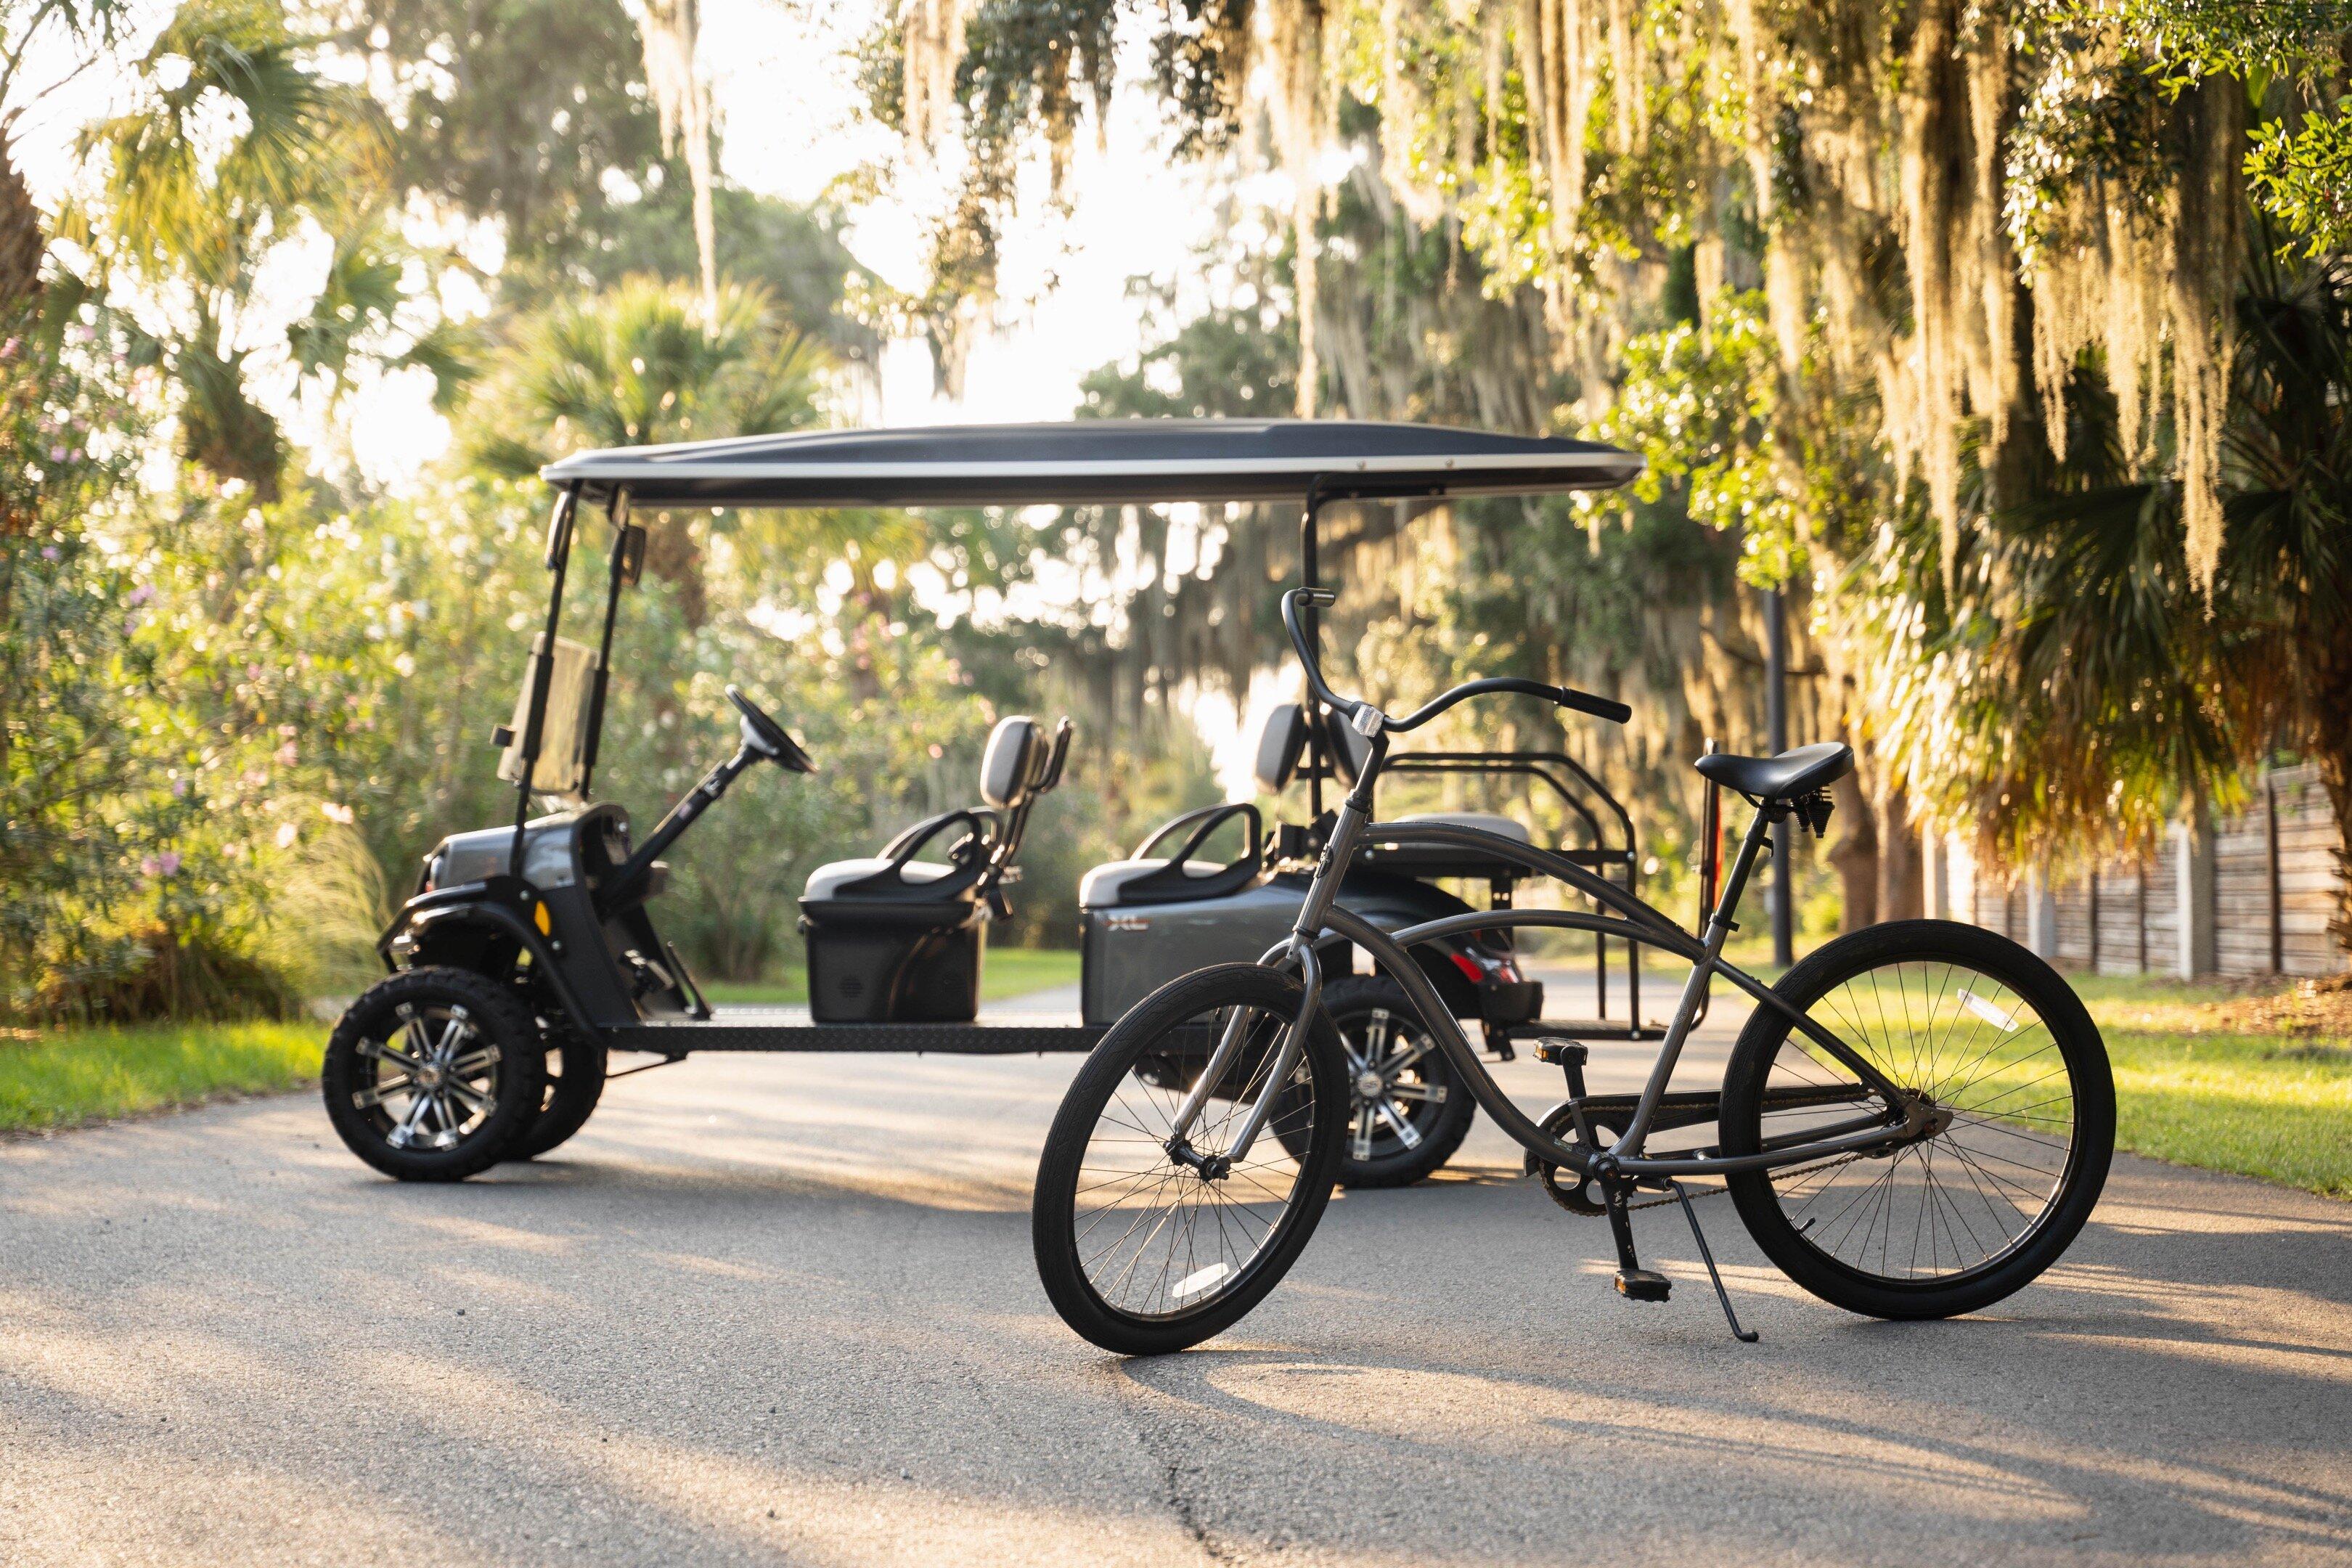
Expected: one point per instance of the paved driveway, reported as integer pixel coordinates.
(781, 1310)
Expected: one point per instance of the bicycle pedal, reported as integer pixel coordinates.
(1643, 1285)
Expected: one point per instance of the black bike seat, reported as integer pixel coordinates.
(1785, 777)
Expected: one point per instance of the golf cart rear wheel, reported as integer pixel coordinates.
(431, 1073)
(575, 1083)
(1407, 1108)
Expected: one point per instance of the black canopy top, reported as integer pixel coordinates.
(1098, 461)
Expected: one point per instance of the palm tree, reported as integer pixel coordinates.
(2083, 683)
(643, 362)
(189, 218)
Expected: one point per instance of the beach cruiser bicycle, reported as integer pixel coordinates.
(1914, 1122)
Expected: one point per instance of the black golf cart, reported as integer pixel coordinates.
(527, 954)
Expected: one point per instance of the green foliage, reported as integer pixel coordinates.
(2303, 176)
(544, 122)
(238, 142)
(1702, 405)
(642, 364)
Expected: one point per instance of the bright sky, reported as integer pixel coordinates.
(1063, 278)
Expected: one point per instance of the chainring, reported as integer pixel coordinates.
(1560, 1121)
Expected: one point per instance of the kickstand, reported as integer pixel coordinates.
(1744, 1336)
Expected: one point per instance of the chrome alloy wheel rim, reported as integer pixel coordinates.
(1389, 1082)
(433, 1081)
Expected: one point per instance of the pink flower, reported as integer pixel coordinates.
(140, 595)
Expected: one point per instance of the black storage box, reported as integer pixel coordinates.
(887, 963)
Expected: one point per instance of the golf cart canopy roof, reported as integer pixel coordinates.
(1099, 461)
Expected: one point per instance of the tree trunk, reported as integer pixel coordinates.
(1853, 855)
(674, 557)
(1902, 861)
(2330, 669)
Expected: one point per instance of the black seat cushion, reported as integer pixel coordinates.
(1791, 773)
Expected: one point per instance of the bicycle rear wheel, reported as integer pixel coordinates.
(1142, 1254)
(2019, 1079)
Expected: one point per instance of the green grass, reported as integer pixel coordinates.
(62, 1078)
(2196, 1086)
(1004, 972)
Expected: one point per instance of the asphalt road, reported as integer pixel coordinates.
(782, 1309)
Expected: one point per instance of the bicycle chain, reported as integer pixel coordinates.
(1719, 1192)
(1548, 1173)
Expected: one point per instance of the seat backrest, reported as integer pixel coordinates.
(1348, 750)
(1278, 747)
(1014, 765)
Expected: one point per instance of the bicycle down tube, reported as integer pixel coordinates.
(1642, 922)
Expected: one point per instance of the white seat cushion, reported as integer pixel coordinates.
(1101, 887)
(1484, 821)
(827, 879)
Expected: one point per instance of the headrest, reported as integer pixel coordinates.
(1012, 766)
(1350, 751)
(1278, 746)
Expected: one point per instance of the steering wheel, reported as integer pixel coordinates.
(767, 737)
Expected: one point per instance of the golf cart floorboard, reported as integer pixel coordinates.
(790, 1029)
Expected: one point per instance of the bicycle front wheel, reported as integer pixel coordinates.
(1143, 1253)
(2023, 1119)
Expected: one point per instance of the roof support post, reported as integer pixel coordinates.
(628, 556)
(1776, 731)
(1311, 620)
(542, 663)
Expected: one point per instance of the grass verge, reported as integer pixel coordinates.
(2224, 1076)
(67, 1076)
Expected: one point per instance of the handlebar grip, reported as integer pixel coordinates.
(1585, 702)
(1318, 598)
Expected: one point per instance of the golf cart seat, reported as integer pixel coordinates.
(1013, 770)
(1149, 877)
(1349, 751)
(896, 939)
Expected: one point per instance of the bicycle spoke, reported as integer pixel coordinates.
(1156, 1237)
(1964, 1042)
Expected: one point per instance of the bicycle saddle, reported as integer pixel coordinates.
(1801, 771)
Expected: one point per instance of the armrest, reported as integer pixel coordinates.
(901, 849)
(1209, 819)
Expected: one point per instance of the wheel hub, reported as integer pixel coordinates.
(428, 1077)
(1370, 1086)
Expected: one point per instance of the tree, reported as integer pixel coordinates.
(643, 365)
(239, 144)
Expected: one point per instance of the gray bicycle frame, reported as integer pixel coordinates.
(1320, 921)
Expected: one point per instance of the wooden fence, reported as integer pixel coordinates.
(2258, 890)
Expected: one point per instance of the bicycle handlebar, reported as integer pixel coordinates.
(1323, 598)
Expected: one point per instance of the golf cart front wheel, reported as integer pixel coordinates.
(431, 1073)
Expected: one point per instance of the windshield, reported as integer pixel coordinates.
(563, 738)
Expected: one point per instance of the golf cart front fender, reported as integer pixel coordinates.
(455, 925)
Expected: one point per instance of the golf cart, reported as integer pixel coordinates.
(527, 954)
